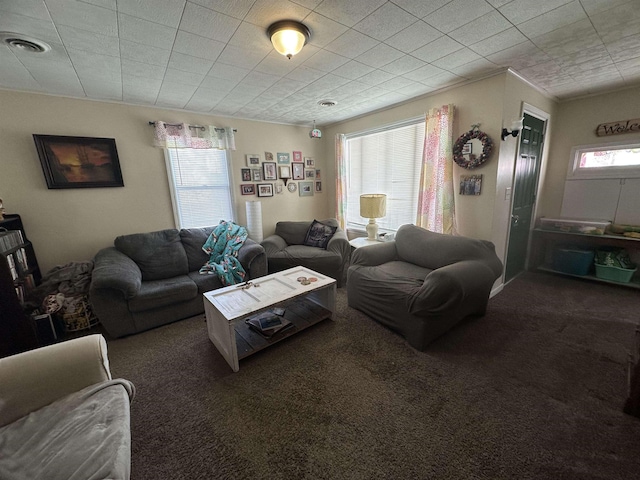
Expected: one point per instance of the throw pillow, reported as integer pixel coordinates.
(319, 234)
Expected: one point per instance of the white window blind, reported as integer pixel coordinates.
(200, 186)
(389, 162)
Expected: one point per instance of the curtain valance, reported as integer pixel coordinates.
(181, 135)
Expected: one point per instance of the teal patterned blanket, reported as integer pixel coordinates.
(222, 247)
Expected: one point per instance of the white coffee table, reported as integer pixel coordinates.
(227, 308)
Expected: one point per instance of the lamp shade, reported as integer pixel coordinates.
(288, 37)
(373, 205)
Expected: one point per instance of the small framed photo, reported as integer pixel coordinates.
(265, 189)
(297, 156)
(318, 177)
(253, 160)
(256, 175)
(248, 189)
(470, 184)
(283, 157)
(467, 148)
(246, 174)
(284, 171)
(269, 171)
(318, 187)
(309, 174)
(268, 157)
(305, 189)
(309, 162)
(298, 171)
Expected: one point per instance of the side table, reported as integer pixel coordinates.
(362, 242)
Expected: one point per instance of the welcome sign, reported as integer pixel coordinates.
(615, 128)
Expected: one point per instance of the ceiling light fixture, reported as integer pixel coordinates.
(288, 37)
(24, 43)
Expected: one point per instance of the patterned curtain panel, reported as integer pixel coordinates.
(167, 135)
(436, 196)
(341, 180)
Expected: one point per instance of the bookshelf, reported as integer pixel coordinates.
(19, 274)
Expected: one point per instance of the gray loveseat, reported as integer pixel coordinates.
(150, 279)
(286, 249)
(423, 283)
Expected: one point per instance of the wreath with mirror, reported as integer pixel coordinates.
(463, 153)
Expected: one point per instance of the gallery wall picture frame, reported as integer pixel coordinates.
(470, 184)
(298, 171)
(305, 189)
(284, 171)
(297, 156)
(248, 189)
(268, 157)
(246, 174)
(79, 162)
(283, 158)
(318, 187)
(253, 160)
(256, 175)
(309, 162)
(318, 176)
(265, 189)
(309, 174)
(269, 171)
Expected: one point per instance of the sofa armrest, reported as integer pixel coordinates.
(114, 270)
(273, 243)
(446, 287)
(373, 255)
(339, 243)
(253, 259)
(36, 378)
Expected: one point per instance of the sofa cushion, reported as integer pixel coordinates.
(192, 240)
(160, 293)
(205, 282)
(319, 234)
(158, 254)
(294, 233)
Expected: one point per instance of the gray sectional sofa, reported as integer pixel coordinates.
(149, 279)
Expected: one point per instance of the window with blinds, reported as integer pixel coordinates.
(385, 161)
(200, 186)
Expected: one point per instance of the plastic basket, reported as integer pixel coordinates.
(79, 316)
(614, 274)
(573, 260)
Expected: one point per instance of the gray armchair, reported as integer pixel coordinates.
(286, 248)
(423, 283)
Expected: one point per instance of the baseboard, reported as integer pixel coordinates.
(496, 290)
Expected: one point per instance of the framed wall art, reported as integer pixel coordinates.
(79, 162)
(305, 189)
(256, 175)
(265, 189)
(318, 187)
(309, 162)
(309, 174)
(283, 157)
(248, 189)
(297, 156)
(268, 157)
(298, 171)
(470, 184)
(246, 174)
(253, 160)
(269, 171)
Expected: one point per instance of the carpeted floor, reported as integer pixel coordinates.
(533, 390)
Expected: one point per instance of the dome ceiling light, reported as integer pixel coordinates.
(288, 37)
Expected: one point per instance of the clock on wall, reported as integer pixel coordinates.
(291, 187)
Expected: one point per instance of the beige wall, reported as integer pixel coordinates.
(480, 102)
(576, 125)
(73, 224)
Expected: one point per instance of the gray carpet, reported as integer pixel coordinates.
(534, 389)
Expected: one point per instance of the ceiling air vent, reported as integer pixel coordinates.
(24, 43)
(327, 103)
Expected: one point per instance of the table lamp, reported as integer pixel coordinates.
(372, 206)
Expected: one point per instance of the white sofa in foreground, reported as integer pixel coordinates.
(62, 416)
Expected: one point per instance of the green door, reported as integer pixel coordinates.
(524, 194)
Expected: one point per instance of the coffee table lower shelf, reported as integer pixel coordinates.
(302, 313)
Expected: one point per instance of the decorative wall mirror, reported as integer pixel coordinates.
(472, 148)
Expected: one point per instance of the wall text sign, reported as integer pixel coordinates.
(615, 128)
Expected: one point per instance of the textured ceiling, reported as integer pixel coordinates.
(214, 55)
